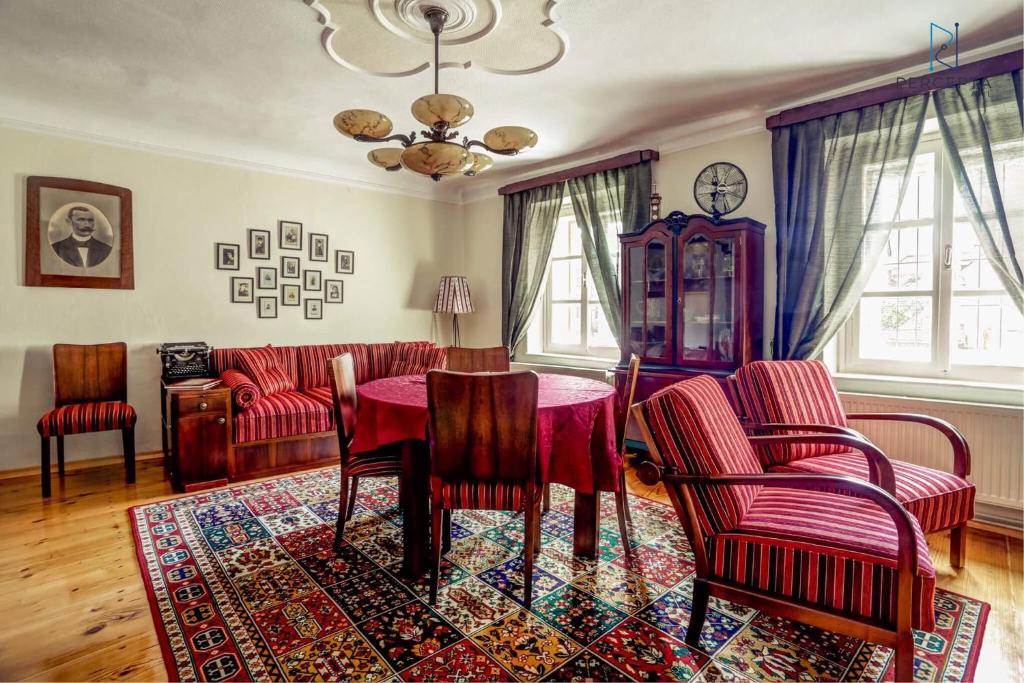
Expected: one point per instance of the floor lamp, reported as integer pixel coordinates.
(453, 297)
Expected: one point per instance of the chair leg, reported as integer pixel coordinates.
(701, 593)
(446, 531)
(352, 498)
(435, 551)
(958, 546)
(343, 498)
(905, 656)
(622, 487)
(128, 440)
(547, 497)
(60, 456)
(44, 466)
(530, 542)
(622, 512)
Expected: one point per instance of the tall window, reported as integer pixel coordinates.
(933, 306)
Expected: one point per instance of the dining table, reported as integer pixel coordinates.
(575, 442)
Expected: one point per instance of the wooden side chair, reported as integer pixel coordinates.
(374, 464)
(780, 396)
(493, 359)
(622, 497)
(483, 454)
(90, 394)
(832, 551)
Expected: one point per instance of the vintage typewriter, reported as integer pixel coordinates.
(185, 359)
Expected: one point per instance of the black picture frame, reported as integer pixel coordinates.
(289, 235)
(315, 238)
(270, 302)
(344, 262)
(269, 272)
(313, 309)
(288, 261)
(318, 281)
(296, 300)
(254, 252)
(328, 291)
(222, 250)
(235, 297)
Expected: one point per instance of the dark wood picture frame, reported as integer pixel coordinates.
(272, 300)
(298, 294)
(281, 225)
(285, 261)
(318, 287)
(33, 275)
(314, 237)
(351, 269)
(253, 233)
(259, 277)
(218, 260)
(234, 291)
(309, 314)
(341, 292)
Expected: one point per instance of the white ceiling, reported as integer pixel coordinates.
(249, 81)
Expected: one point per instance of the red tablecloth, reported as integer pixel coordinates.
(575, 425)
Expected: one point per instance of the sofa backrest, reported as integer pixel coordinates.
(227, 359)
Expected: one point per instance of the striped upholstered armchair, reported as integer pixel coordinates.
(781, 396)
(832, 551)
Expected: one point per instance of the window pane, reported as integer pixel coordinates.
(906, 262)
(971, 270)
(987, 330)
(896, 328)
(598, 332)
(565, 279)
(565, 325)
(567, 238)
(919, 198)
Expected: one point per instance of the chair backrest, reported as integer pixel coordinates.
(695, 430)
(342, 374)
(793, 392)
(483, 427)
(84, 373)
(493, 359)
(632, 372)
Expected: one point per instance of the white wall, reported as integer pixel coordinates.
(181, 208)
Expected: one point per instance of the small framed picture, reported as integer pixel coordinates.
(334, 291)
(317, 247)
(227, 256)
(241, 290)
(291, 235)
(344, 262)
(289, 295)
(266, 278)
(268, 306)
(314, 309)
(312, 280)
(290, 267)
(259, 244)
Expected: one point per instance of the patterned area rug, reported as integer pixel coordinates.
(244, 586)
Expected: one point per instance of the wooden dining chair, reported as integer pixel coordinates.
(90, 394)
(493, 359)
(621, 497)
(483, 454)
(353, 466)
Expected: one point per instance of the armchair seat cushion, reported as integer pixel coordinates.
(822, 549)
(80, 418)
(938, 499)
(481, 495)
(285, 413)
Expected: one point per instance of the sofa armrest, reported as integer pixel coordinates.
(244, 391)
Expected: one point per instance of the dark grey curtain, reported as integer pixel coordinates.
(981, 124)
(605, 204)
(838, 181)
(528, 232)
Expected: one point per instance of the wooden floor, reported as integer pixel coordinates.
(72, 605)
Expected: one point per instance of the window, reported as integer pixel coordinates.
(933, 306)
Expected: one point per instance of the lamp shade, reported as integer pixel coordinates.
(453, 296)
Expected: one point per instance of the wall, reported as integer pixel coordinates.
(181, 208)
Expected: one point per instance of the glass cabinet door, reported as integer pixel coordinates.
(724, 315)
(656, 298)
(696, 299)
(635, 312)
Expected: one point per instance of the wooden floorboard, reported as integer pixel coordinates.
(73, 606)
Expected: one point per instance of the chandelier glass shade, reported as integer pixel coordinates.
(438, 155)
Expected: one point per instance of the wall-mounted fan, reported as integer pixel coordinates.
(720, 188)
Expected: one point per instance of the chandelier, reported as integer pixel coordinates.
(437, 156)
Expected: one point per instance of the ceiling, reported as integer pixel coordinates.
(250, 81)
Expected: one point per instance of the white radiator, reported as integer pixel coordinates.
(995, 435)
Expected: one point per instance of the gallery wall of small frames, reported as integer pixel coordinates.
(271, 286)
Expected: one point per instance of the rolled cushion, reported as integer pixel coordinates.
(244, 391)
(264, 367)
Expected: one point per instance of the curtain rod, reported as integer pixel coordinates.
(903, 87)
(627, 159)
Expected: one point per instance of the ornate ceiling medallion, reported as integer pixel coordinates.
(380, 37)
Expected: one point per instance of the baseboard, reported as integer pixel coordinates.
(75, 465)
(999, 515)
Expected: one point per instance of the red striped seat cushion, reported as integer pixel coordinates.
(80, 418)
(790, 391)
(285, 413)
(481, 495)
(265, 368)
(938, 499)
(822, 549)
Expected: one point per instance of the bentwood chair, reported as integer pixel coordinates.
(493, 359)
(90, 387)
(621, 497)
(832, 551)
(374, 464)
(778, 396)
(483, 454)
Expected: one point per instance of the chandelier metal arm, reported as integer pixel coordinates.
(467, 143)
(406, 140)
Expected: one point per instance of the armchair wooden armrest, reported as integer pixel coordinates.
(879, 468)
(961, 451)
(793, 427)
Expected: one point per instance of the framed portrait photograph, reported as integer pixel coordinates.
(259, 244)
(78, 233)
(290, 295)
(334, 292)
(344, 262)
(312, 280)
(314, 309)
(241, 290)
(267, 307)
(290, 267)
(290, 235)
(226, 256)
(266, 278)
(317, 247)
